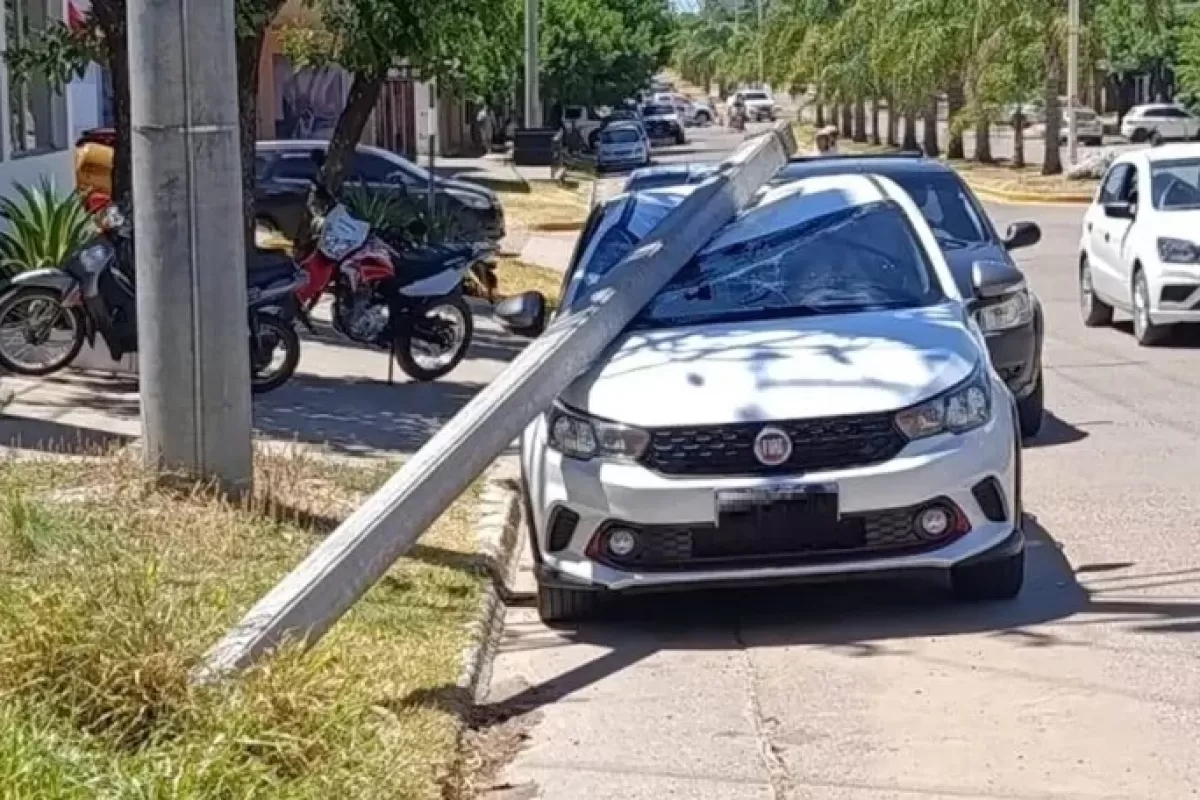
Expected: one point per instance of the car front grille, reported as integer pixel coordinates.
(691, 547)
(818, 445)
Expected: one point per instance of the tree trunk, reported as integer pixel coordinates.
(910, 132)
(847, 120)
(364, 92)
(892, 122)
(820, 121)
(931, 128)
(1052, 165)
(875, 138)
(860, 120)
(110, 18)
(249, 49)
(983, 142)
(955, 101)
(1018, 160)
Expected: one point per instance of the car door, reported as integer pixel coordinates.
(282, 195)
(1110, 275)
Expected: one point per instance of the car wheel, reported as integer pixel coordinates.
(1156, 138)
(556, 605)
(1096, 313)
(1139, 136)
(1001, 579)
(1144, 330)
(1030, 410)
(703, 118)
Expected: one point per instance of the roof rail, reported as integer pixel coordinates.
(892, 154)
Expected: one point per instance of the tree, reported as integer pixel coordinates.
(1137, 36)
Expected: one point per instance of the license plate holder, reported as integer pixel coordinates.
(807, 513)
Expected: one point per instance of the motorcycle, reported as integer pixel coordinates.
(409, 302)
(737, 118)
(94, 294)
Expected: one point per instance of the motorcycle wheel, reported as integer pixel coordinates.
(21, 302)
(273, 334)
(451, 311)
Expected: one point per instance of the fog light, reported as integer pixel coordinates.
(622, 542)
(933, 522)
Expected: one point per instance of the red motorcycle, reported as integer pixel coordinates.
(409, 302)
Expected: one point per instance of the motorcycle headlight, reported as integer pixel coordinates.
(1011, 312)
(1178, 251)
(472, 200)
(94, 258)
(580, 436)
(960, 409)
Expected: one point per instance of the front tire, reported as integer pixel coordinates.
(1144, 330)
(273, 333)
(409, 361)
(30, 296)
(1095, 312)
(556, 605)
(1031, 410)
(989, 581)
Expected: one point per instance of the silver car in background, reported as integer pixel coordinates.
(622, 145)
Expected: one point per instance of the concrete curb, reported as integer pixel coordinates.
(1029, 198)
(556, 227)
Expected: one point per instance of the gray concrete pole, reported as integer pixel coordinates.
(533, 93)
(350, 560)
(193, 338)
(1072, 83)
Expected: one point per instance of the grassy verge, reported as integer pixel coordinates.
(1000, 177)
(547, 203)
(112, 588)
(516, 276)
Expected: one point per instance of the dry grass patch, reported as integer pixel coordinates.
(547, 203)
(515, 276)
(112, 588)
(1028, 179)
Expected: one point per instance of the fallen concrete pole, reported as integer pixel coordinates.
(338, 572)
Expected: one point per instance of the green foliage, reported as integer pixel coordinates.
(1188, 70)
(44, 227)
(57, 53)
(1136, 35)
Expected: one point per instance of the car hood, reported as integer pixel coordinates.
(468, 187)
(1181, 224)
(793, 368)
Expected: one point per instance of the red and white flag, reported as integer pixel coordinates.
(77, 11)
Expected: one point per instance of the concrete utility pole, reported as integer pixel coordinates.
(193, 338)
(1072, 81)
(762, 78)
(533, 94)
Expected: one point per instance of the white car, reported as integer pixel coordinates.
(1159, 122)
(1089, 129)
(811, 398)
(1140, 246)
(693, 112)
(760, 105)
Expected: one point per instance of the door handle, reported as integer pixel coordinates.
(1089, 227)
(1107, 236)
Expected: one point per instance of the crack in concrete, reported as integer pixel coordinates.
(778, 776)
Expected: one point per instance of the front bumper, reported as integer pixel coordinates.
(1174, 293)
(599, 494)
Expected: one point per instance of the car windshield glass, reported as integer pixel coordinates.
(855, 259)
(754, 95)
(620, 136)
(657, 111)
(945, 206)
(1175, 184)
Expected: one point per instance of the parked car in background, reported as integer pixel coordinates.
(584, 121)
(622, 145)
(808, 399)
(693, 112)
(1089, 129)
(1139, 250)
(1159, 122)
(663, 123)
(1014, 326)
(286, 169)
(760, 105)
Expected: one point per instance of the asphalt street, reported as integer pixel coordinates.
(1086, 686)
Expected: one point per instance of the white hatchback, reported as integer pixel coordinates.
(1139, 250)
(809, 398)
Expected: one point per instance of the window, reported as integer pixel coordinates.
(861, 258)
(1114, 182)
(295, 166)
(262, 164)
(370, 168)
(620, 136)
(945, 206)
(1175, 185)
(36, 114)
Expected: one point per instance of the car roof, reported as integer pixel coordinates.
(887, 164)
(282, 145)
(1152, 107)
(1165, 152)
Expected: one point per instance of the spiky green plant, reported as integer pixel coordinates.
(43, 227)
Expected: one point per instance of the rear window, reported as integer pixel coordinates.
(754, 95)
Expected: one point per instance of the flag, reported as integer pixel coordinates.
(75, 15)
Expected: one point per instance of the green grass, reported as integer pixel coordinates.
(112, 591)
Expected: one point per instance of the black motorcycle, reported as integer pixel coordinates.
(56, 311)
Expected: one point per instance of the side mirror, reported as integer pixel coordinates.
(523, 314)
(1022, 234)
(1119, 210)
(397, 176)
(995, 279)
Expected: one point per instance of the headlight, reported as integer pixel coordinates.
(579, 436)
(471, 200)
(963, 408)
(94, 258)
(1178, 251)
(1011, 312)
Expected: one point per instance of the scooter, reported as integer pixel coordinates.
(94, 294)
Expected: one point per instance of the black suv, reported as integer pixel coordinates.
(285, 170)
(1014, 327)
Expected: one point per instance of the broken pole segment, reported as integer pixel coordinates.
(307, 602)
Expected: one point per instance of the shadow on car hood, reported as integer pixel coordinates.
(799, 367)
